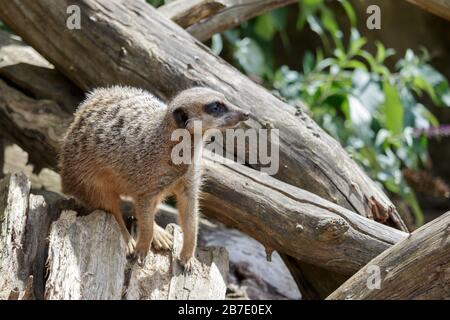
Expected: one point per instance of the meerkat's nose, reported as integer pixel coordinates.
(245, 115)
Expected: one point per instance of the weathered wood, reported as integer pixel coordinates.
(167, 60)
(236, 12)
(187, 12)
(28, 70)
(251, 275)
(415, 268)
(291, 220)
(86, 258)
(440, 8)
(162, 277)
(22, 217)
(35, 125)
(87, 261)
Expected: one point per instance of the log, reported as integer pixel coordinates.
(87, 262)
(28, 70)
(185, 13)
(23, 217)
(103, 52)
(167, 281)
(415, 268)
(251, 276)
(226, 14)
(36, 125)
(440, 8)
(291, 220)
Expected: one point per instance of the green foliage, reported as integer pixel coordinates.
(156, 3)
(3, 27)
(374, 112)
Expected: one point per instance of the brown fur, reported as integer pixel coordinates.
(119, 145)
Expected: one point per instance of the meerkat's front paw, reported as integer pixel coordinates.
(140, 253)
(188, 263)
(130, 247)
(162, 240)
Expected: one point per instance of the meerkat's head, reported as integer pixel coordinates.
(205, 105)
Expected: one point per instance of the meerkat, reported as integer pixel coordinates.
(119, 144)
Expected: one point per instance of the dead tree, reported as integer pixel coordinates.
(415, 268)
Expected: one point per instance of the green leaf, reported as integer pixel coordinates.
(308, 62)
(216, 44)
(349, 11)
(410, 198)
(264, 27)
(250, 56)
(392, 109)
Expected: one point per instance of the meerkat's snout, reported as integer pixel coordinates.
(207, 106)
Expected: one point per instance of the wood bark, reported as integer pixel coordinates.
(440, 8)
(111, 48)
(415, 268)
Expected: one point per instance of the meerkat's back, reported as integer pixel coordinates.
(109, 139)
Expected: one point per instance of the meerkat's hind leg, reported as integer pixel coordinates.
(110, 201)
(145, 209)
(162, 240)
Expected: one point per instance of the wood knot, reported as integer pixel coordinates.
(331, 229)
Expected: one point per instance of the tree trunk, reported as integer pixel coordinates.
(167, 60)
(415, 268)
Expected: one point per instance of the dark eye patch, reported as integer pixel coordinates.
(215, 108)
(181, 117)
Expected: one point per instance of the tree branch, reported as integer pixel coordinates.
(415, 268)
(185, 13)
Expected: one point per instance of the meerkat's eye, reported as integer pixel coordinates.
(215, 108)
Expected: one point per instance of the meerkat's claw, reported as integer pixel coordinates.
(140, 258)
(131, 247)
(188, 264)
(162, 240)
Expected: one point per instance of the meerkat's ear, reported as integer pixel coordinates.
(181, 117)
